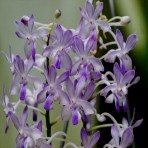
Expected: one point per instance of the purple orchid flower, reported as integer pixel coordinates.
(8, 107)
(57, 52)
(119, 88)
(93, 140)
(27, 32)
(22, 77)
(84, 58)
(122, 51)
(91, 16)
(123, 141)
(78, 105)
(53, 88)
(28, 136)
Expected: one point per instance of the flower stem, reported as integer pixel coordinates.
(65, 128)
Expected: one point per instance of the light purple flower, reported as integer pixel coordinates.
(22, 77)
(91, 16)
(82, 51)
(118, 88)
(122, 51)
(123, 141)
(78, 105)
(57, 52)
(53, 88)
(27, 32)
(93, 140)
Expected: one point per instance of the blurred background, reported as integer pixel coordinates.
(43, 10)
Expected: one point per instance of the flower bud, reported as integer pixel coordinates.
(125, 20)
(24, 20)
(57, 13)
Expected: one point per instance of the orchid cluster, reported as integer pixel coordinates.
(70, 73)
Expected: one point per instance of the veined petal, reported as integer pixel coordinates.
(63, 97)
(98, 66)
(115, 134)
(98, 10)
(24, 116)
(48, 102)
(66, 60)
(67, 38)
(62, 77)
(48, 51)
(94, 139)
(87, 107)
(89, 9)
(28, 48)
(19, 64)
(119, 38)
(137, 123)
(127, 137)
(84, 137)
(41, 97)
(117, 73)
(31, 23)
(130, 42)
(89, 90)
(111, 55)
(128, 76)
(84, 13)
(70, 88)
(20, 35)
(59, 33)
(108, 88)
(29, 66)
(103, 25)
(80, 85)
(52, 74)
(66, 113)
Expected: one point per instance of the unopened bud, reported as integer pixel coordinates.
(57, 13)
(100, 118)
(125, 20)
(24, 20)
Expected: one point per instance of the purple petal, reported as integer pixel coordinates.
(52, 74)
(86, 106)
(41, 97)
(66, 113)
(29, 66)
(90, 43)
(130, 42)
(33, 51)
(31, 23)
(119, 38)
(98, 66)
(137, 123)
(23, 92)
(109, 99)
(48, 102)
(67, 39)
(64, 99)
(21, 27)
(103, 25)
(66, 60)
(39, 125)
(125, 105)
(111, 55)
(127, 137)
(70, 88)
(7, 124)
(117, 73)
(75, 116)
(108, 88)
(58, 62)
(15, 121)
(80, 85)
(75, 67)
(59, 33)
(46, 73)
(98, 10)
(20, 35)
(94, 139)
(95, 75)
(117, 103)
(48, 51)
(115, 134)
(84, 13)
(35, 115)
(28, 48)
(79, 46)
(24, 116)
(84, 137)
(19, 64)
(89, 9)
(63, 77)
(89, 90)
(128, 77)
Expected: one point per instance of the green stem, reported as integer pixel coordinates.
(65, 128)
